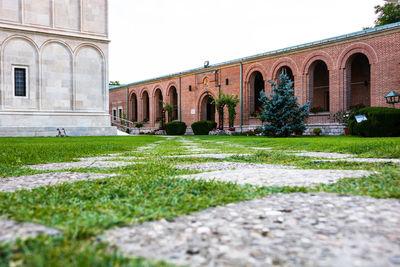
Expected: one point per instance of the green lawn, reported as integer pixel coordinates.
(149, 191)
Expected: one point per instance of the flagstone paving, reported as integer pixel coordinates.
(213, 156)
(277, 176)
(11, 230)
(219, 166)
(324, 155)
(80, 164)
(366, 160)
(284, 230)
(11, 184)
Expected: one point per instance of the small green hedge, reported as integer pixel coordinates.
(175, 128)
(203, 127)
(382, 122)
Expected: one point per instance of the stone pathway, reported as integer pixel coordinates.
(277, 176)
(366, 160)
(213, 156)
(285, 230)
(12, 184)
(10, 231)
(80, 164)
(323, 155)
(224, 166)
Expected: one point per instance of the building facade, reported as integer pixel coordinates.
(54, 68)
(356, 69)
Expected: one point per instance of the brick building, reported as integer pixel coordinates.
(333, 74)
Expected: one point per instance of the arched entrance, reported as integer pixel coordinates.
(288, 71)
(359, 81)
(133, 108)
(158, 104)
(207, 109)
(319, 86)
(257, 85)
(173, 100)
(146, 106)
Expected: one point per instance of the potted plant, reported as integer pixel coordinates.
(317, 131)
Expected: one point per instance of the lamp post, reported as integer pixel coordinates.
(392, 98)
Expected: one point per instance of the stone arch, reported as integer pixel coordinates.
(145, 99)
(207, 111)
(172, 94)
(56, 61)
(20, 51)
(133, 106)
(158, 104)
(90, 69)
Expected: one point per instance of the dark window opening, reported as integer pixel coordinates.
(20, 81)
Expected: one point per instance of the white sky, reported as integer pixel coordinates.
(151, 38)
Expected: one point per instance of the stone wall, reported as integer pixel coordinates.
(66, 62)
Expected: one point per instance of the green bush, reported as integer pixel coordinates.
(175, 128)
(203, 127)
(382, 122)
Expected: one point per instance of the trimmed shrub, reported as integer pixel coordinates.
(382, 122)
(203, 127)
(175, 128)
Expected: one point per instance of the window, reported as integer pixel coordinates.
(114, 114)
(120, 113)
(20, 81)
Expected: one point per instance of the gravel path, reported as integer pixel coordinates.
(11, 230)
(285, 230)
(11, 184)
(223, 166)
(277, 176)
(80, 164)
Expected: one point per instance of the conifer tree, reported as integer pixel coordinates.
(281, 112)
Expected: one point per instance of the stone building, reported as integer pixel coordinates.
(54, 67)
(333, 74)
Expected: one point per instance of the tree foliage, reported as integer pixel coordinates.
(388, 13)
(114, 83)
(230, 101)
(281, 112)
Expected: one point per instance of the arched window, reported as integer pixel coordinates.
(158, 104)
(207, 109)
(257, 85)
(133, 108)
(287, 70)
(146, 106)
(319, 86)
(358, 81)
(173, 100)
